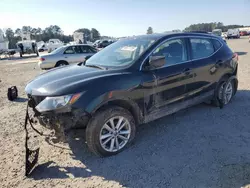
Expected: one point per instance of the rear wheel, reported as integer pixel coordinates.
(61, 63)
(110, 131)
(226, 96)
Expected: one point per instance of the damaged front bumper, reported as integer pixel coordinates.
(60, 121)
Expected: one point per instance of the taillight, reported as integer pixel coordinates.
(42, 59)
(235, 55)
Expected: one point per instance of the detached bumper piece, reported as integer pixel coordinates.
(12, 93)
(31, 156)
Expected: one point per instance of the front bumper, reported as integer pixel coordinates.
(60, 122)
(66, 118)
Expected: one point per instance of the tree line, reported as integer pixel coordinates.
(53, 31)
(207, 27)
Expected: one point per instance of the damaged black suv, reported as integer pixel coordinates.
(133, 81)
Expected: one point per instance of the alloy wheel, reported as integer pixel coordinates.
(115, 134)
(228, 92)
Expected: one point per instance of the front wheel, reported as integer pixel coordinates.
(110, 131)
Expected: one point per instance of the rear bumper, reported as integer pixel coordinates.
(46, 65)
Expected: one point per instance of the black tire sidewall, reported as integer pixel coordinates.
(61, 63)
(222, 81)
(96, 123)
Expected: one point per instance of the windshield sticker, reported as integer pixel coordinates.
(129, 48)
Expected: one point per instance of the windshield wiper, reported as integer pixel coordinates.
(97, 66)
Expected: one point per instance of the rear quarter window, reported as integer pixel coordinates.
(201, 48)
(216, 44)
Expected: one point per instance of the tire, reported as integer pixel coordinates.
(61, 63)
(218, 91)
(96, 127)
(21, 55)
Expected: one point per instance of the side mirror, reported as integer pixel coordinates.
(156, 62)
(83, 62)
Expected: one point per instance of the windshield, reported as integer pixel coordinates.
(120, 53)
(57, 50)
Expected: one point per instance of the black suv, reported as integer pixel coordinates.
(134, 81)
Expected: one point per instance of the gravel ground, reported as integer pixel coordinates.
(201, 147)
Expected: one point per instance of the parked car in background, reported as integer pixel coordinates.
(53, 44)
(66, 55)
(103, 44)
(133, 81)
(224, 34)
(233, 33)
(42, 48)
(218, 32)
(243, 33)
(95, 44)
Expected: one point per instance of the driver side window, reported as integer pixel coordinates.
(174, 51)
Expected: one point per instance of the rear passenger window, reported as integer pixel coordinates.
(217, 44)
(85, 49)
(201, 48)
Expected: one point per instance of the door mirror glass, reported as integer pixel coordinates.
(156, 62)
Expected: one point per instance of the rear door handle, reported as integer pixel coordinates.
(218, 63)
(187, 71)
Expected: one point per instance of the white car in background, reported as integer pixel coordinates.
(66, 55)
(218, 32)
(233, 33)
(53, 44)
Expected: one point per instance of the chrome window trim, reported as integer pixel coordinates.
(181, 37)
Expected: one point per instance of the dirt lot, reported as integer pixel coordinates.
(199, 147)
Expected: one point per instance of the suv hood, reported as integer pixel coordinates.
(64, 80)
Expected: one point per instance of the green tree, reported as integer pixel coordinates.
(95, 35)
(26, 29)
(18, 32)
(150, 30)
(10, 35)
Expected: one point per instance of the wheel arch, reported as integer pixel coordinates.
(60, 61)
(131, 106)
(228, 75)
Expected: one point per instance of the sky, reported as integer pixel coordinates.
(121, 17)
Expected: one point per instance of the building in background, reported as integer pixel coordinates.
(4, 43)
(79, 37)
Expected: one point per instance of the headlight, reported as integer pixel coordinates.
(52, 103)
